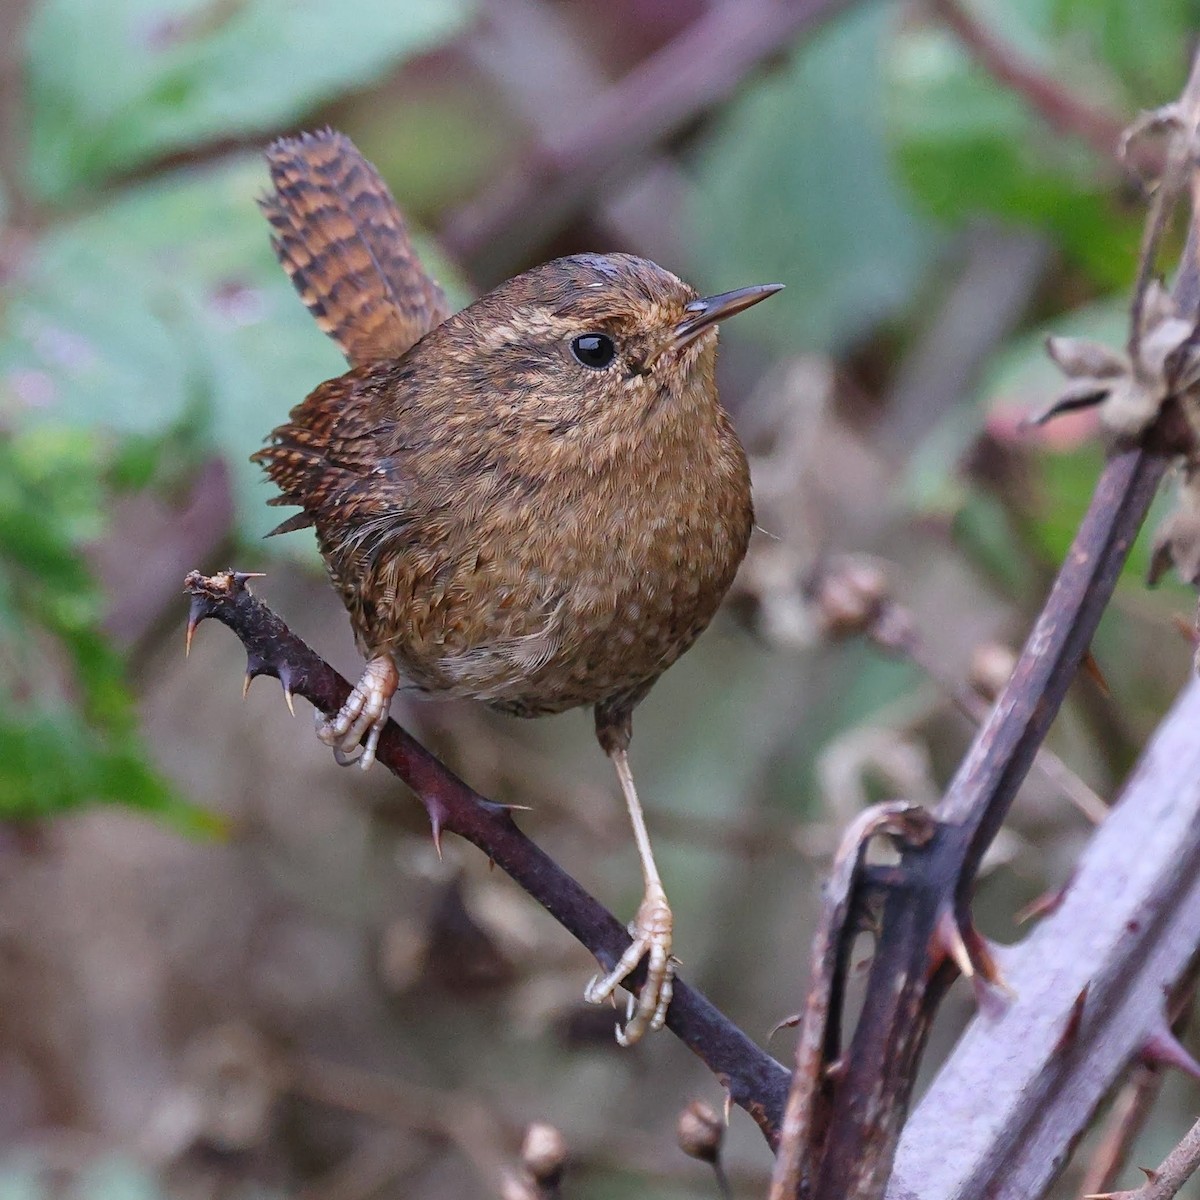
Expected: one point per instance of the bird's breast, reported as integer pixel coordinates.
(589, 587)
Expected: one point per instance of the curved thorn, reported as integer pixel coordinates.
(1070, 1033)
(1162, 1048)
(949, 940)
(790, 1022)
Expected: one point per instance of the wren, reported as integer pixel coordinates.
(537, 502)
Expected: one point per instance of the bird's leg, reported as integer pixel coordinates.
(364, 714)
(651, 931)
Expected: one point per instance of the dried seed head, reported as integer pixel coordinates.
(543, 1152)
(230, 1084)
(1078, 357)
(1177, 542)
(991, 665)
(1130, 395)
(516, 1187)
(700, 1132)
(847, 595)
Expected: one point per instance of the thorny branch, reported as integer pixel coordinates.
(1088, 988)
(849, 1113)
(850, 1152)
(754, 1080)
(808, 1099)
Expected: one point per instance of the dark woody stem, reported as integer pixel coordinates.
(755, 1081)
(852, 1155)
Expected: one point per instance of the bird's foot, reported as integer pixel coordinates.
(651, 931)
(363, 716)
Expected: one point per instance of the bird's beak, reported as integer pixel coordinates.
(710, 309)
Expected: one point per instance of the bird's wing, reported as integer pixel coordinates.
(343, 240)
(326, 458)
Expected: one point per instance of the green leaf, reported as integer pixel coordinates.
(68, 729)
(51, 762)
(794, 184)
(166, 311)
(968, 144)
(1147, 45)
(114, 85)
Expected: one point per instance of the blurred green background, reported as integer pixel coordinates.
(229, 969)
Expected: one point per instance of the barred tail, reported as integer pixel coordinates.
(341, 237)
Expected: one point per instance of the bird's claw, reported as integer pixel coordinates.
(361, 720)
(651, 931)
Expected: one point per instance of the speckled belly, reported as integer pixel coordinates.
(584, 642)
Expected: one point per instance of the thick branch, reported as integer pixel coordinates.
(820, 1033)
(755, 1080)
(1125, 931)
(877, 1074)
(1131, 1109)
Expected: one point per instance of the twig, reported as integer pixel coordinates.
(1130, 1112)
(1058, 106)
(432, 1113)
(1133, 1105)
(365, 1171)
(754, 1080)
(1174, 1171)
(549, 76)
(477, 1132)
(1001, 268)
(894, 631)
(661, 95)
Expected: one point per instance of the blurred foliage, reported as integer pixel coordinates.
(112, 1178)
(148, 328)
(829, 217)
(148, 334)
(166, 311)
(199, 70)
(68, 727)
(967, 146)
(970, 148)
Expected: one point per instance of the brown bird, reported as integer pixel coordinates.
(537, 502)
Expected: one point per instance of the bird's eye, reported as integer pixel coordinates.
(595, 350)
